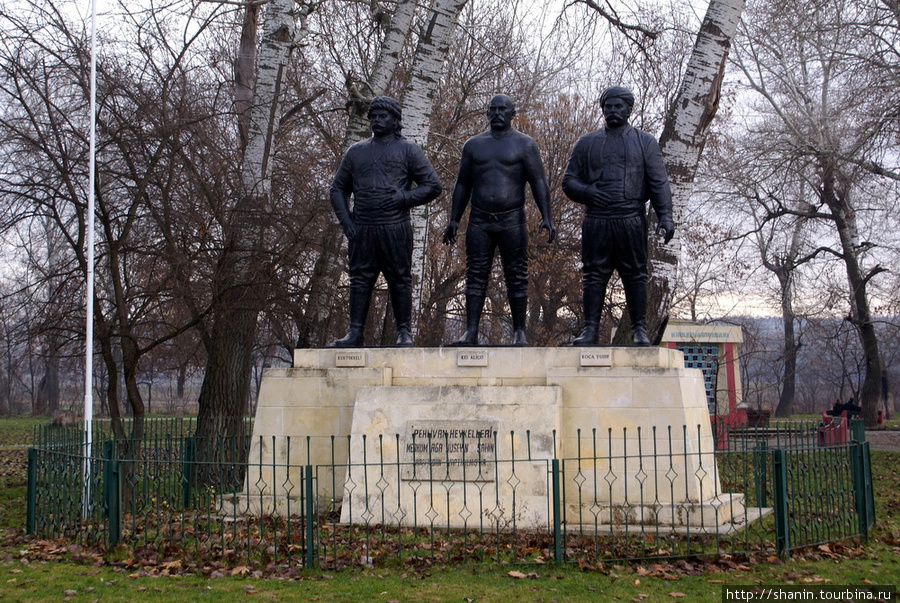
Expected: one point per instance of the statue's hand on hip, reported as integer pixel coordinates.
(395, 202)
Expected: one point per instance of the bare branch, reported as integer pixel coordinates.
(300, 106)
(614, 20)
(876, 270)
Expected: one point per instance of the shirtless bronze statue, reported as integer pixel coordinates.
(494, 168)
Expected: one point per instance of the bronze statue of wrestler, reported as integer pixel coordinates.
(379, 173)
(493, 171)
(614, 171)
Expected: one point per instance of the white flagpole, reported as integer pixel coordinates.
(89, 281)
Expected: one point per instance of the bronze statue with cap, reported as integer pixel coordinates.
(379, 174)
(613, 172)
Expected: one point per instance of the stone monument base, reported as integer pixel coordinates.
(467, 437)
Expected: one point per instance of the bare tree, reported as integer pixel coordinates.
(154, 107)
(711, 270)
(244, 268)
(796, 62)
(757, 185)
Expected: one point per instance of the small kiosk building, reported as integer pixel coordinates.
(714, 350)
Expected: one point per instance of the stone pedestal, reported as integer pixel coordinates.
(406, 436)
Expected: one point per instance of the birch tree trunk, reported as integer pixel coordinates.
(329, 265)
(682, 141)
(418, 100)
(241, 272)
(396, 34)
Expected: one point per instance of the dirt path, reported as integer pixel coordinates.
(884, 439)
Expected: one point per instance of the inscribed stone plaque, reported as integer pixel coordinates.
(435, 450)
(469, 358)
(599, 357)
(350, 359)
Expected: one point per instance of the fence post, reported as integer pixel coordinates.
(109, 453)
(860, 490)
(31, 496)
(188, 456)
(782, 519)
(112, 490)
(557, 521)
(857, 430)
(870, 493)
(310, 519)
(759, 472)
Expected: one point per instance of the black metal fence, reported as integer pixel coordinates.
(621, 496)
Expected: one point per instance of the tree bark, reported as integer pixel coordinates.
(418, 100)
(241, 279)
(245, 70)
(785, 406)
(682, 142)
(836, 198)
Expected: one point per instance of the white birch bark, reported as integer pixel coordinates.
(431, 52)
(280, 35)
(396, 34)
(240, 293)
(684, 136)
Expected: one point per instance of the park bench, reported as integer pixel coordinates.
(834, 431)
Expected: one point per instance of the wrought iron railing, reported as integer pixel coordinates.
(657, 494)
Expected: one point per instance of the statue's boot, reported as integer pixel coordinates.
(404, 337)
(519, 309)
(359, 308)
(474, 306)
(636, 300)
(402, 303)
(593, 308)
(639, 336)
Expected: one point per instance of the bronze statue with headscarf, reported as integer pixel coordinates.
(613, 172)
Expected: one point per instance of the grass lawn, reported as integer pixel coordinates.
(32, 571)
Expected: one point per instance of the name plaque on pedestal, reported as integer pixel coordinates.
(468, 358)
(601, 357)
(435, 450)
(350, 359)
